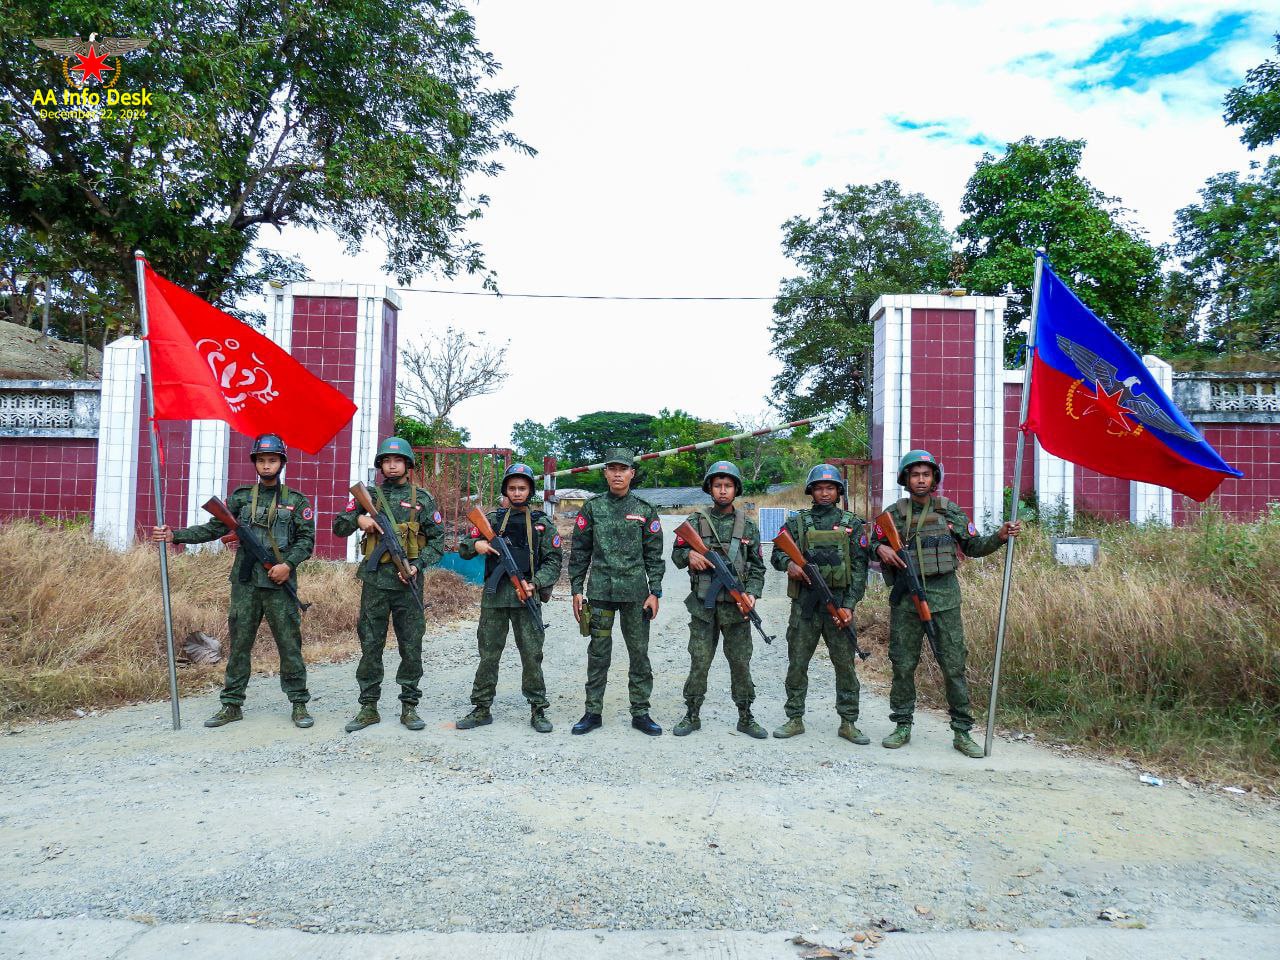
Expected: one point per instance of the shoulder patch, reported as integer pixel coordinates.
(351, 504)
(679, 541)
(879, 532)
(436, 517)
(581, 522)
(555, 541)
(473, 533)
(973, 531)
(540, 527)
(307, 513)
(863, 542)
(655, 527)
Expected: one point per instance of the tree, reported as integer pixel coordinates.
(437, 434)
(1034, 196)
(676, 428)
(533, 441)
(588, 438)
(438, 373)
(1228, 246)
(1255, 104)
(867, 240)
(354, 115)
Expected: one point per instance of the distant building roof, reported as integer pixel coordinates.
(573, 493)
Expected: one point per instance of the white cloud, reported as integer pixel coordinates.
(674, 139)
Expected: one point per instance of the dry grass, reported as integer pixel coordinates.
(1167, 652)
(792, 498)
(88, 630)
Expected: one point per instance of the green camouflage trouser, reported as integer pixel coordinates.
(249, 604)
(492, 637)
(635, 631)
(397, 605)
(704, 625)
(906, 633)
(802, 641)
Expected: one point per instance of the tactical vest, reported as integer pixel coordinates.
(526, 545)
(269, 519)
(733, 553)
(828, 549)
(412, 536)
(927, 537)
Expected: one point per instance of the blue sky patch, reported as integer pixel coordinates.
(948, 131)
(1150, 49)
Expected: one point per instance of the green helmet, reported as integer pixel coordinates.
(394, 446)
(911, 458)
(722, 468)
(824, 473)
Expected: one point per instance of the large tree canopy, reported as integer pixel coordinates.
(361, 116)
(867, 240)
(1255, 104)
(1034, 196)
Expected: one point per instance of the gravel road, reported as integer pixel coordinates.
(116, 816)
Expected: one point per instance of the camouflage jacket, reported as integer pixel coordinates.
(722, 532)
(290, 524)
(942, 589)
(831, 518)
(620, 540)
(422, 512)
(547, 555)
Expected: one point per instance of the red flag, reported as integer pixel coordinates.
(207, 365)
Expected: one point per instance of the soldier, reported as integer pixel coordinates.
(385, 594)
(286, 524)
(619, 536)
(837, 543)
(931, 527)
(727, 531)
(535, 545)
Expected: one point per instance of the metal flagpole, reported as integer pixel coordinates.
(140, 260)
(1013, 499)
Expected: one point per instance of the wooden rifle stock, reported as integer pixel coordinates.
(219, 510)
(889, 530)
(481, 523)
(691, 537)
(398, 557)
(788, 545)
(698, 545)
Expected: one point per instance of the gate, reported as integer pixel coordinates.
(461, 478)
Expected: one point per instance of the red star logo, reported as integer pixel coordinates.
(1109, 405)
(91, 65)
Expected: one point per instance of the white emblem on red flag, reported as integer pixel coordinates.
(239, 377)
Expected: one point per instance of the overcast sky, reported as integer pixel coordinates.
(675, 138)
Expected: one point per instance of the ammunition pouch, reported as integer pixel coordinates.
(829, 552)
(584, 621)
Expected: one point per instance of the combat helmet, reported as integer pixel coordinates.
(723, 468)
(394, 446)
(825, 473)
(268, 443)
(519, 470)
(911, 458)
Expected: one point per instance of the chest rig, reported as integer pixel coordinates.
(409, 530)
(526, 548)
(732, 551)
(828, 549)
(269, 519)
(927, 536)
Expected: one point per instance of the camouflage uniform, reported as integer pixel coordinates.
(931, 532)
(737, 539)
(540, 565)
(284, 521)
(383, 597)
(840, 534)
(620, 539)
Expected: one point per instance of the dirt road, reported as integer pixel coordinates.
(501, 829)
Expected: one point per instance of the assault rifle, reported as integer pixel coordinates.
(506, 565)
(388, 542)
(722, 578)
(821, 592)
(255, 551)
(908, 580)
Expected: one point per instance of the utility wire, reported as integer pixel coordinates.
(559, 296)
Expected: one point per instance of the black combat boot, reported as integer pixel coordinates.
(590, 721)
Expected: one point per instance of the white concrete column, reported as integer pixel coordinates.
(207, 473)
(115, 497)
(366, 393)
(1149, 503)
(892, 392)
(1055, 485)
(988, 411)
